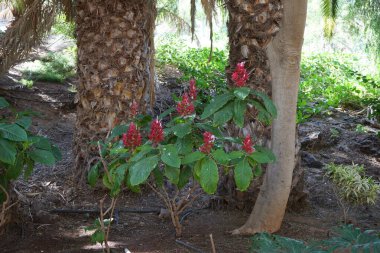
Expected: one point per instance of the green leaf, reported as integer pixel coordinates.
(7, 152)
(29, 168)
(181, 130)
(214, 130)
(24, 122)
(271, 108)
(220, 156)
(13, 132)
(172, 174)
(166, 113)
(263, 155)
(239, 111)
(193, 157)
(184, 177)
(217, 103)
(243, 175)
(197, 169)
(209, 175)
(117, 179)
(40, 142)
(242, 93)
(42, 156)
(3, 103)
(235, 154)
(184, 145)
(141, 170)
(93, 174)
(159, 177)
(56, 153)
(14, 171)
(170, 156)
(224, 115)
(117, 131)
(97, 236)
(141, 152)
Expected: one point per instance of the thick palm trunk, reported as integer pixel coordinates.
(284, 54)
(115, 67)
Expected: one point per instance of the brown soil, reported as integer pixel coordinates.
(53, 187)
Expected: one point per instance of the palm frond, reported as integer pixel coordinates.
(209, 10)
(164, 14)
(330, 10)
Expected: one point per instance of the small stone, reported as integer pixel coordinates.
(310, 160)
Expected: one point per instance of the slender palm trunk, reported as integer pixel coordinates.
(115, 67)
(285, 55)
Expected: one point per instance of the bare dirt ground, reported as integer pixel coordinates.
(39, 230)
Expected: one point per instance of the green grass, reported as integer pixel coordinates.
(54, 67)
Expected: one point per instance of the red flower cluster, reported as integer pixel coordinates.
(185, 107)
(156, 132)
(247, 145)
(240, 75)
(132, 138)
(208, 142)
(134, 109)
(193, 90)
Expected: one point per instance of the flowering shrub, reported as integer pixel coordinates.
(177, 153)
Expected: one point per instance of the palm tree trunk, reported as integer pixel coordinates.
(115, 67)
(285, 55)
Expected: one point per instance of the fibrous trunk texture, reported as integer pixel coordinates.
(115, 67)
(284, 54)
(251, 26)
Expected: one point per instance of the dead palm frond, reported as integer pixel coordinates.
(33, 19)
(330, 10)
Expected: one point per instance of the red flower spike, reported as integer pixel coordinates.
(240, 75)
(208, 142)
(132, 138)
(134, 109)
(156, 132)
(185, 107)
(193, 90)
(247, 145)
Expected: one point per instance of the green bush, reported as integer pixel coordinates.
(352, 184)
(347, 239)
(20, 150)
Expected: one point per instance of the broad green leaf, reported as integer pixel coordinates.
(133, 188)
(172, 174)
(29, 168)
(24, 122)
(3, 103)
(239, 111)
(7, 152)
(184, 177)
(224, 115)
(243, 175)
(141, 152)
(56, 152)
(93, 174)
(170, 156)
(235, 154)
(97, 236)
(166, 113)
(14, 171)
(40, 142)
(242, 93)
(271, 108)
(117, 179)
(159, 177)
(209, 175)
(197, 169)
(106, 181)
(217, 103)
(181, 130)
(184, 145)
(13, 132)
(263, 155)
(193, 157)
(117, 131)
(42, 156)
(220, 156)
(141, 170)
(214, 130)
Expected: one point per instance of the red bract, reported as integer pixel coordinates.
(240, 75)
(247, 145)
(156, 132)
(132, 138)
(134, 109)
(193, 90)
(185, 107)
(208, 142)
